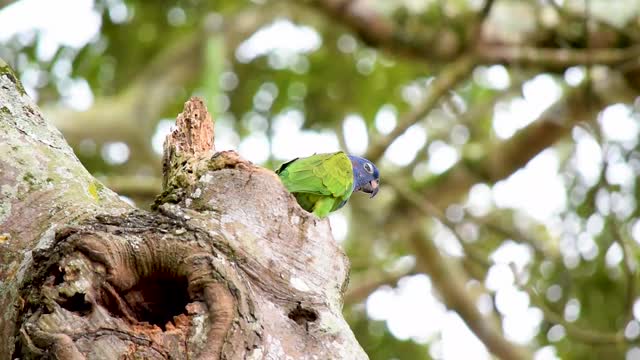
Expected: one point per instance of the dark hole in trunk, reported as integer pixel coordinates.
(77, 304)
(155, 300)
(303, 315)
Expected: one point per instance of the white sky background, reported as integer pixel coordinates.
(411, 310)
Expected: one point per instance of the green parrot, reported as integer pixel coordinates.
(323, 183)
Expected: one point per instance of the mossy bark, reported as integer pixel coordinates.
(228, 265)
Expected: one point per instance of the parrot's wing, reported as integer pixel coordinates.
(321, 174)
(336, 173)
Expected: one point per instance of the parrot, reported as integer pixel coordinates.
(322, 183)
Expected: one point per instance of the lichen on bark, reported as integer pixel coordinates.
(5, 70)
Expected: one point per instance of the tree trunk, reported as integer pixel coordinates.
(227, 266)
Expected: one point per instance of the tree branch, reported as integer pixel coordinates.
(450, 280)
(4, 3)
(377, 31)
(131, 115)
(629, 264)
(554, 59)
(427, 251)
(567, 14)
(575, 331)
(504, 158)
(209, 275)
(442, 84)
(359, 292)
(450, 284)
(468, 118)
(486, 8)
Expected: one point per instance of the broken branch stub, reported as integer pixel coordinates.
(229, 267)
(191, 140)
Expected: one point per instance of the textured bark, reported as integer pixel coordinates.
(228, 265)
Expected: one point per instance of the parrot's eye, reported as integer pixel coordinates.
(368, 168)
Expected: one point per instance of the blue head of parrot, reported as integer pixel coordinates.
(366, 176)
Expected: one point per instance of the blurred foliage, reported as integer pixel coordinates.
(585, 294)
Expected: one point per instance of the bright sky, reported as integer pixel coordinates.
(411, 310)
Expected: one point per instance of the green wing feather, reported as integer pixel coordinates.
(321, 182)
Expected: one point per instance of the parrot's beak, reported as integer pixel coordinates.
(371, 188)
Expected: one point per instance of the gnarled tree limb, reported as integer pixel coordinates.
(378, 31)
(228, 267)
